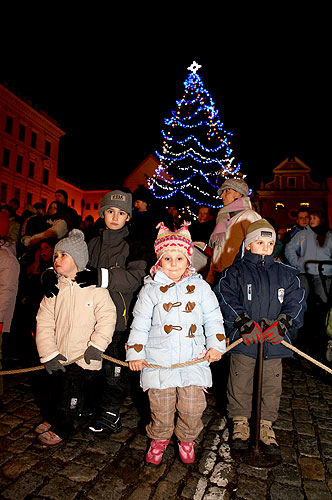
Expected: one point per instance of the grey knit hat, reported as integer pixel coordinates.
(239, 185)
(261, 228)
(76, 247)
(117, 199)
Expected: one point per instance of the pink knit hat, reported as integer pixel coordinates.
(179, 241)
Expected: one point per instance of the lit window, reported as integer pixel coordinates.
(279, 205)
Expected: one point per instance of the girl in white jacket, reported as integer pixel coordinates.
(74, 322)
(176, 320)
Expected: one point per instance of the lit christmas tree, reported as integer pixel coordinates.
(196, 151)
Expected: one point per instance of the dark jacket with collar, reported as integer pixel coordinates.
(262, 288)
(125, 261)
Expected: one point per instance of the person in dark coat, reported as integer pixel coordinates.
(118, 264)
(261, 301)
(71, 216)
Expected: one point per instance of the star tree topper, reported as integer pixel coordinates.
(194, 67)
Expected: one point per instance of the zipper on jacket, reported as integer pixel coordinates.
(124, 314)
(263, 261)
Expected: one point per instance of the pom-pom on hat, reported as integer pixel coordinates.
(261, 228)
(117, 199)
(75, 246)
(239, 185)
(179, 241)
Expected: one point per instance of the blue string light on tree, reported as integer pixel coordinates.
(196, 151)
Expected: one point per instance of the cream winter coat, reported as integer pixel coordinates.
(236, 225)
(76, 318)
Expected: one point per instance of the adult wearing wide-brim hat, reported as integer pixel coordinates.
(232, 222)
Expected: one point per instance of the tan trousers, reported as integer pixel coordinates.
(240, 387)
(189, 402)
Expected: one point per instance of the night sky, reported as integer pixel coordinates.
(111, 93)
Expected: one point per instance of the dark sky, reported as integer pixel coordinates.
(110, 95)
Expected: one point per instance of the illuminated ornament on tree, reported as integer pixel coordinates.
(196, 152)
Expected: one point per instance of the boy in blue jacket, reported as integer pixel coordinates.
(261, 301)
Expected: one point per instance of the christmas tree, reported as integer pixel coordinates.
(196, 154)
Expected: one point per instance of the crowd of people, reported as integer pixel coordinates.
(141, 287)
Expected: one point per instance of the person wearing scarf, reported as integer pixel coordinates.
(232, 222)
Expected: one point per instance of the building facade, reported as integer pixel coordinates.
(291, 189)
(29, 146)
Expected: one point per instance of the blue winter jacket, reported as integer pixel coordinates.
(262, 288)
(175, 323)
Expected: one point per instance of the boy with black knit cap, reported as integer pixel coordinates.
(118, 264)
(74, 322)
(261, 301)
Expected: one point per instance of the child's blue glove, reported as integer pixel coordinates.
(87, 277)
(54, 364)
(49, 280)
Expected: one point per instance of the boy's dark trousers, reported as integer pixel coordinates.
(68, 393)
(115, 377)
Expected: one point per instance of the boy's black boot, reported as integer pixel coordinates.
(105, 424)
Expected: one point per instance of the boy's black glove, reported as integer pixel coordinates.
(277, 331)
(87, 277)
(54, 364)
(49, 281)
(92, 353)
(249, 330)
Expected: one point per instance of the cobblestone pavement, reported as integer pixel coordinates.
(114, 468)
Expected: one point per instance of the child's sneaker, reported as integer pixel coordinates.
(267, 435)
(49, 438)
(107, 423)
(43, 427)
(241, 433)
(186, 452)
(241, 429)
(156, 451)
